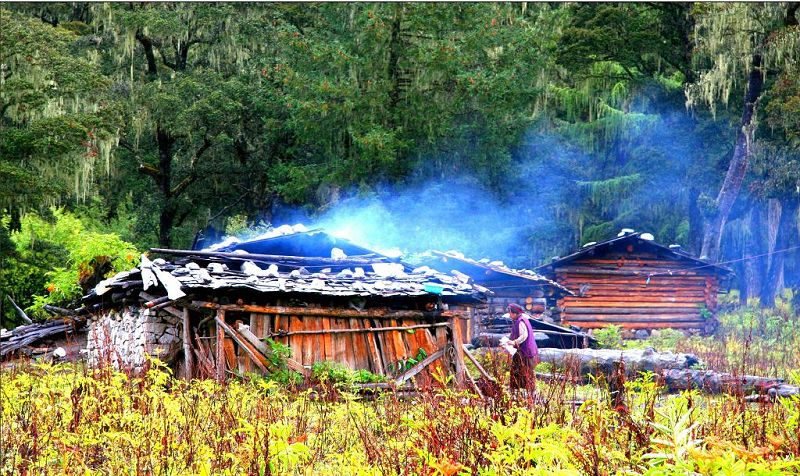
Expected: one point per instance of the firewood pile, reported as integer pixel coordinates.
(24, 336)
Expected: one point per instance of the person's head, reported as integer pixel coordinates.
(515, 310)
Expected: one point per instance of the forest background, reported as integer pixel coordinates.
(511, 131)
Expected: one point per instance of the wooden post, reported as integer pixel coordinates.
(477, 365)
(252, 352)
(188, 355)
(456, 326)
(261, 347)
(418, 368)
(220, 346)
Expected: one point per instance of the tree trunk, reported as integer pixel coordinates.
(753, 268)
(167, 212)
(736, 169)
(695, 239)
(393, 62)
(786, 232)
(147, 45)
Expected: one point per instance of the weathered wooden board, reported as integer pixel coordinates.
(641, 325)
(631, 310)
(376, 361)
(637, 317)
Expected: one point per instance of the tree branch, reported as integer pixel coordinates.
(150, 170)
(182, 217)
(184, 184)
(165, 61)
(201, 150)
(192, 177)
(147, 44)
(229, 206)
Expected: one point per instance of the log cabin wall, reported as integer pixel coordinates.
(613, 288)
(379, 352)
(350, 340)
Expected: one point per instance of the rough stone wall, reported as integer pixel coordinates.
(124, 337)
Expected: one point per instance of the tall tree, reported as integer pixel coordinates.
(57, 124)
(777, 169)
(736, 44)
(186, 76)
(620, 96)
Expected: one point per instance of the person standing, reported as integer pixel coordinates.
(527, 356)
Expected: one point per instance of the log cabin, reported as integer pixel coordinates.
(638, 284)
(534, 292)
(211, 313)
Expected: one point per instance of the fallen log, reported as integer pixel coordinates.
(593, 361)
(718, 382)
(673, 370)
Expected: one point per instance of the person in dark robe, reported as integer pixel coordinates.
(527, 356)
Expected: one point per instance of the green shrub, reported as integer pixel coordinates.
(339, 374)
(280, 353)
(666, 338)
(609, 337)
(286, 377)
(71, 258)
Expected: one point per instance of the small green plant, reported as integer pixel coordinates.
(404, 365)
(279, 353)
(609, 337)
(666, 338)
(331, 372)
(705, 313)
(286, 377)
(339, 374)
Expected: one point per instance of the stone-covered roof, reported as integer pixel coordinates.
(210, 271)
(486, 272)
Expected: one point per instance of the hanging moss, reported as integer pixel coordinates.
(608, 192)
(727, 36)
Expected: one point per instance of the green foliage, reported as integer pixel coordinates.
(158, 120)
(337, 374)
(406, 364)
(665, 339)
(57, 124)
(609, 337)
(286, 377)
(279, 353)
(79, 258)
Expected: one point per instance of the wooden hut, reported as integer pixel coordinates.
(210, 312)
(534, 292)
(635, 283)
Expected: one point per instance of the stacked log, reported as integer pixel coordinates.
(26, 335)
(637, 291)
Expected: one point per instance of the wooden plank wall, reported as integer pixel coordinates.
(614, 289)
(378, 352)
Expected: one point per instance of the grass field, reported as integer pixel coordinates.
(66, 419)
